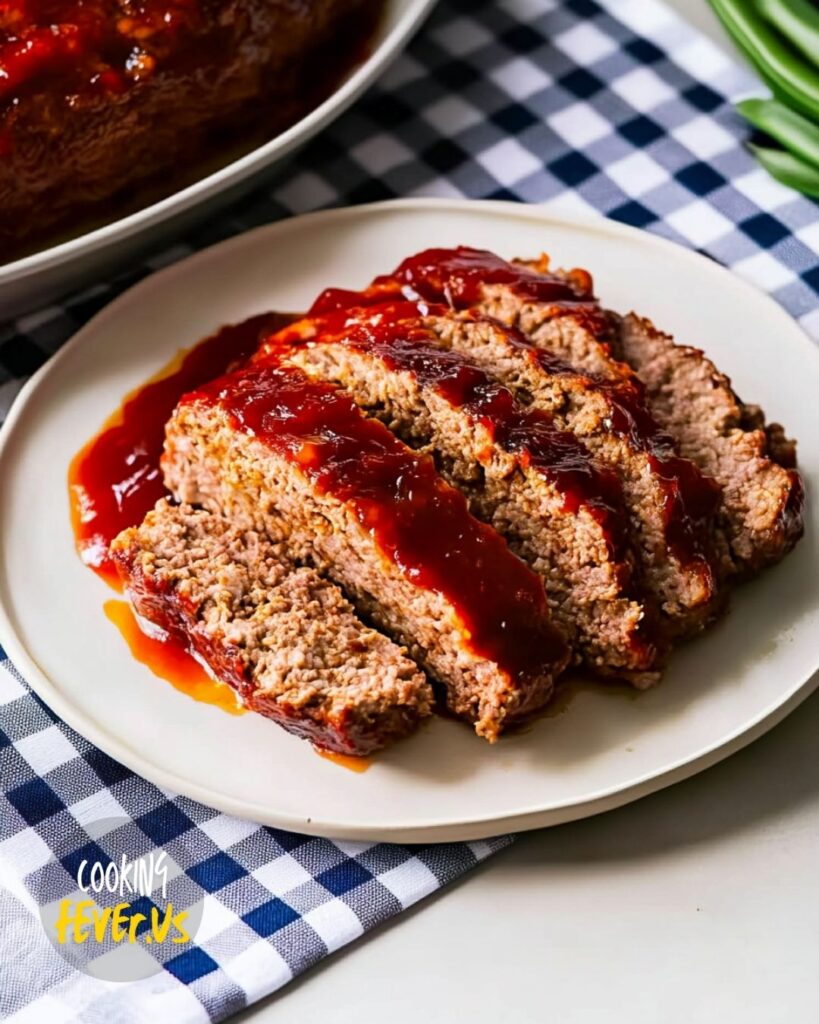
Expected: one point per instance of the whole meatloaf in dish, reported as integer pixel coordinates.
(106, 103)
(470, 472)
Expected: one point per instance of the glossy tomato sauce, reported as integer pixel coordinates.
(398, 336)
(86, 45)
(170, 660)
(115, 479)
(415, 519)
(456, 277)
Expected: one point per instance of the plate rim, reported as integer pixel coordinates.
(362, 76)
(463, 829)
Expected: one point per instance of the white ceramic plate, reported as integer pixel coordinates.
(38, 278)
(443, 784)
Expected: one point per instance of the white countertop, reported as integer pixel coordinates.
(696, 905)
(699, 904)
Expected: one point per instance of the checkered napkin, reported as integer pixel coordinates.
(614, 106)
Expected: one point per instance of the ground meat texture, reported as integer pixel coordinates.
(108, 104)
(671, 505)
(272, 450)
(559, 304)
(582, 336)
(759, 518)
(763, 493)
(556, 309)
(283, 637)
(534, 483)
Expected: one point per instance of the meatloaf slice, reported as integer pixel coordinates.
(557, 309)
(671, 504)
(297, 459)
(760, 517)
(580, 333)
(535, 484)
(283, 637)
(763, 493)
(760, 514)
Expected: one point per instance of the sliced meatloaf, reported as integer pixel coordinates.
(763, 493)
(297, 459)
(671, 505)
(760, 513)
(753, 462)
(283, 637)
(535, 484)
(558, 309)
(580, 333)
(761, 509)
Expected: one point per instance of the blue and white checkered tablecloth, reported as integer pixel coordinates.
(613, 106)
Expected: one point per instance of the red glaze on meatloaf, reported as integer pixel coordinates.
(267, 445)
(534, 483)
(687, 407)
(99, 97)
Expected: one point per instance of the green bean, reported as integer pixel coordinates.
(794, 132)
(790, 78)
(797, 20)
(788, 169)
(739, 38)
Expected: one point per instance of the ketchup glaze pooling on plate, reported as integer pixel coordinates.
(115, 479)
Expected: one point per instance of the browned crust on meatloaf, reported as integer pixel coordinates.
(536, 485)
(286, 484)
(150, 95)
(762, 493)
(282, 636)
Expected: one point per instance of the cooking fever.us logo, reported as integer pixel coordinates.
(114, 905)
